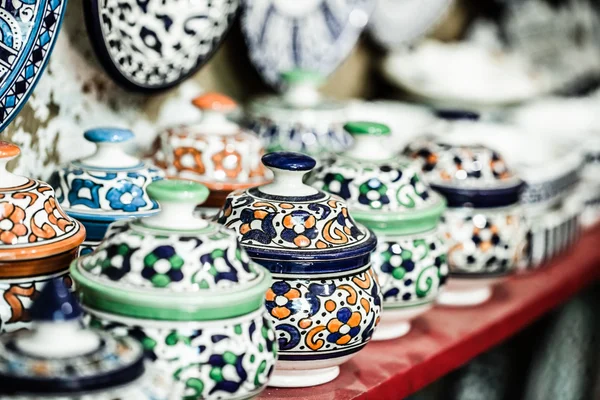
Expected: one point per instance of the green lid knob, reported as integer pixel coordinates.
(178, 190)
(367, 128)
(302, 76)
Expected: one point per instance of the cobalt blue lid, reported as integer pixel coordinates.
(55, 303)
(108, 135)
(457, 115)
(289, 161)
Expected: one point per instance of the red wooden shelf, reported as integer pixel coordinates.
(446, 338)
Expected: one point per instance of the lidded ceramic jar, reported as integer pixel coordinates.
(107, 186)
(484, 224)
(38, 241)
(387, 194)
(216, 152)
(60, 360)
(325, 300)
(186, 289)
(300, 119)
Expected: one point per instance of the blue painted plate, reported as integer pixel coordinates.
(28, 30)
(152, 45)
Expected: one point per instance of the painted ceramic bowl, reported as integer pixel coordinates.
(300, 120)
(325, 300)
(216, 152)
(59, 360)
(484, 223)
(106, 186)
(186, 289)
(38, 241)
(388, 195)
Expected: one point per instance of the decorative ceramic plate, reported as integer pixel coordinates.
(152, 45)
(28, 32)
(314, 35)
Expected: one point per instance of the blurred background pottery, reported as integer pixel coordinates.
(106, 186)
(387, 194)
(185, 288)
(38, 241)
(325, 300)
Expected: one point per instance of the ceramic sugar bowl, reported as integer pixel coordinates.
(388, 195)
(325, 300)
(38, 241)
(484, 224)
(185, 288)
(216, 152)
(106, 186)
(300, 120)
(59, 360)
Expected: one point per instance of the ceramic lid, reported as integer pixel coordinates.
(60, 357)
(109, 184)
(32, 223)
(383, 190)
(171, 266)
(290, 227)
(216, 152)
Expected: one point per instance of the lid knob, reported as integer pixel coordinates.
(302, 87)
(177, 198)
(214, 102)
(288, 169)
(215, 107)
(369, 140)
(457, 115)
(109, 148)
(8, 151)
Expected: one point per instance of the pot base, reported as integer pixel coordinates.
(395, 323)
(466, 297)
(303, 378)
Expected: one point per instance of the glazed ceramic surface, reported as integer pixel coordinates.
(188, 291)
(315, 35)
(154, 45)
(325, 300)
(29, 30)
(38, 240)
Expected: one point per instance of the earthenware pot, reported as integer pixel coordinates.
(185, 288)
(60, 360)
(107, 186)
(37, 242)
(325, 300)
(300, 119)
(216, 152)
(388, 195)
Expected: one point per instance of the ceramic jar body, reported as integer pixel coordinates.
(133, 391)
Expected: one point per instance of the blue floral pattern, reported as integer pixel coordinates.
(127, 197)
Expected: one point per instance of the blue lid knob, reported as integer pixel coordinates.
(456, 115)
(108, 135)
(289, 161)
(55, 303)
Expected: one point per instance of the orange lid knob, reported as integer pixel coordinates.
(215, 102)
(9, 150)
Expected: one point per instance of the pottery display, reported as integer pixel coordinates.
(186, 289)
(106, 186)
(153, 45)
(29, 31)
(387, 194)
(315, 35)
(59, 360)
(216, 152)
(325, 300)
(38, 240)
(300, 120)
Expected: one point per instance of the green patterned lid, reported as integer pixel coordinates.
(383, 190)
(171, 266)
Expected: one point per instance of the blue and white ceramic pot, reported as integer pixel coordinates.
(186, 289)
(325, 300)
(387, 194)
(59, 360)
(108, 186)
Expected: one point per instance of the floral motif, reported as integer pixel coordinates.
(228, 161)
(188, 159)
(11, 226)
(337, 184)
(299, 228)
(373, 193)
(344, 327)
(84, 192)
(126, 196)
(163, 266)
(281, 300)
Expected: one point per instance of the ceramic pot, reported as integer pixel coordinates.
(325, 300)
(389, 196)
(299, 120)
(185, 288)
(216, 152)
(484, 225)
(37, 241)
(107, 186)
(79, 364)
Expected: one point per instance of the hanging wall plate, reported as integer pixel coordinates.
(152, 45)
(28, 32)
(314, 35)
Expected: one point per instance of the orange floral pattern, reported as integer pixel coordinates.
(11, 223)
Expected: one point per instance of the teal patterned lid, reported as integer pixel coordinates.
(172, 265)
(383, 191)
